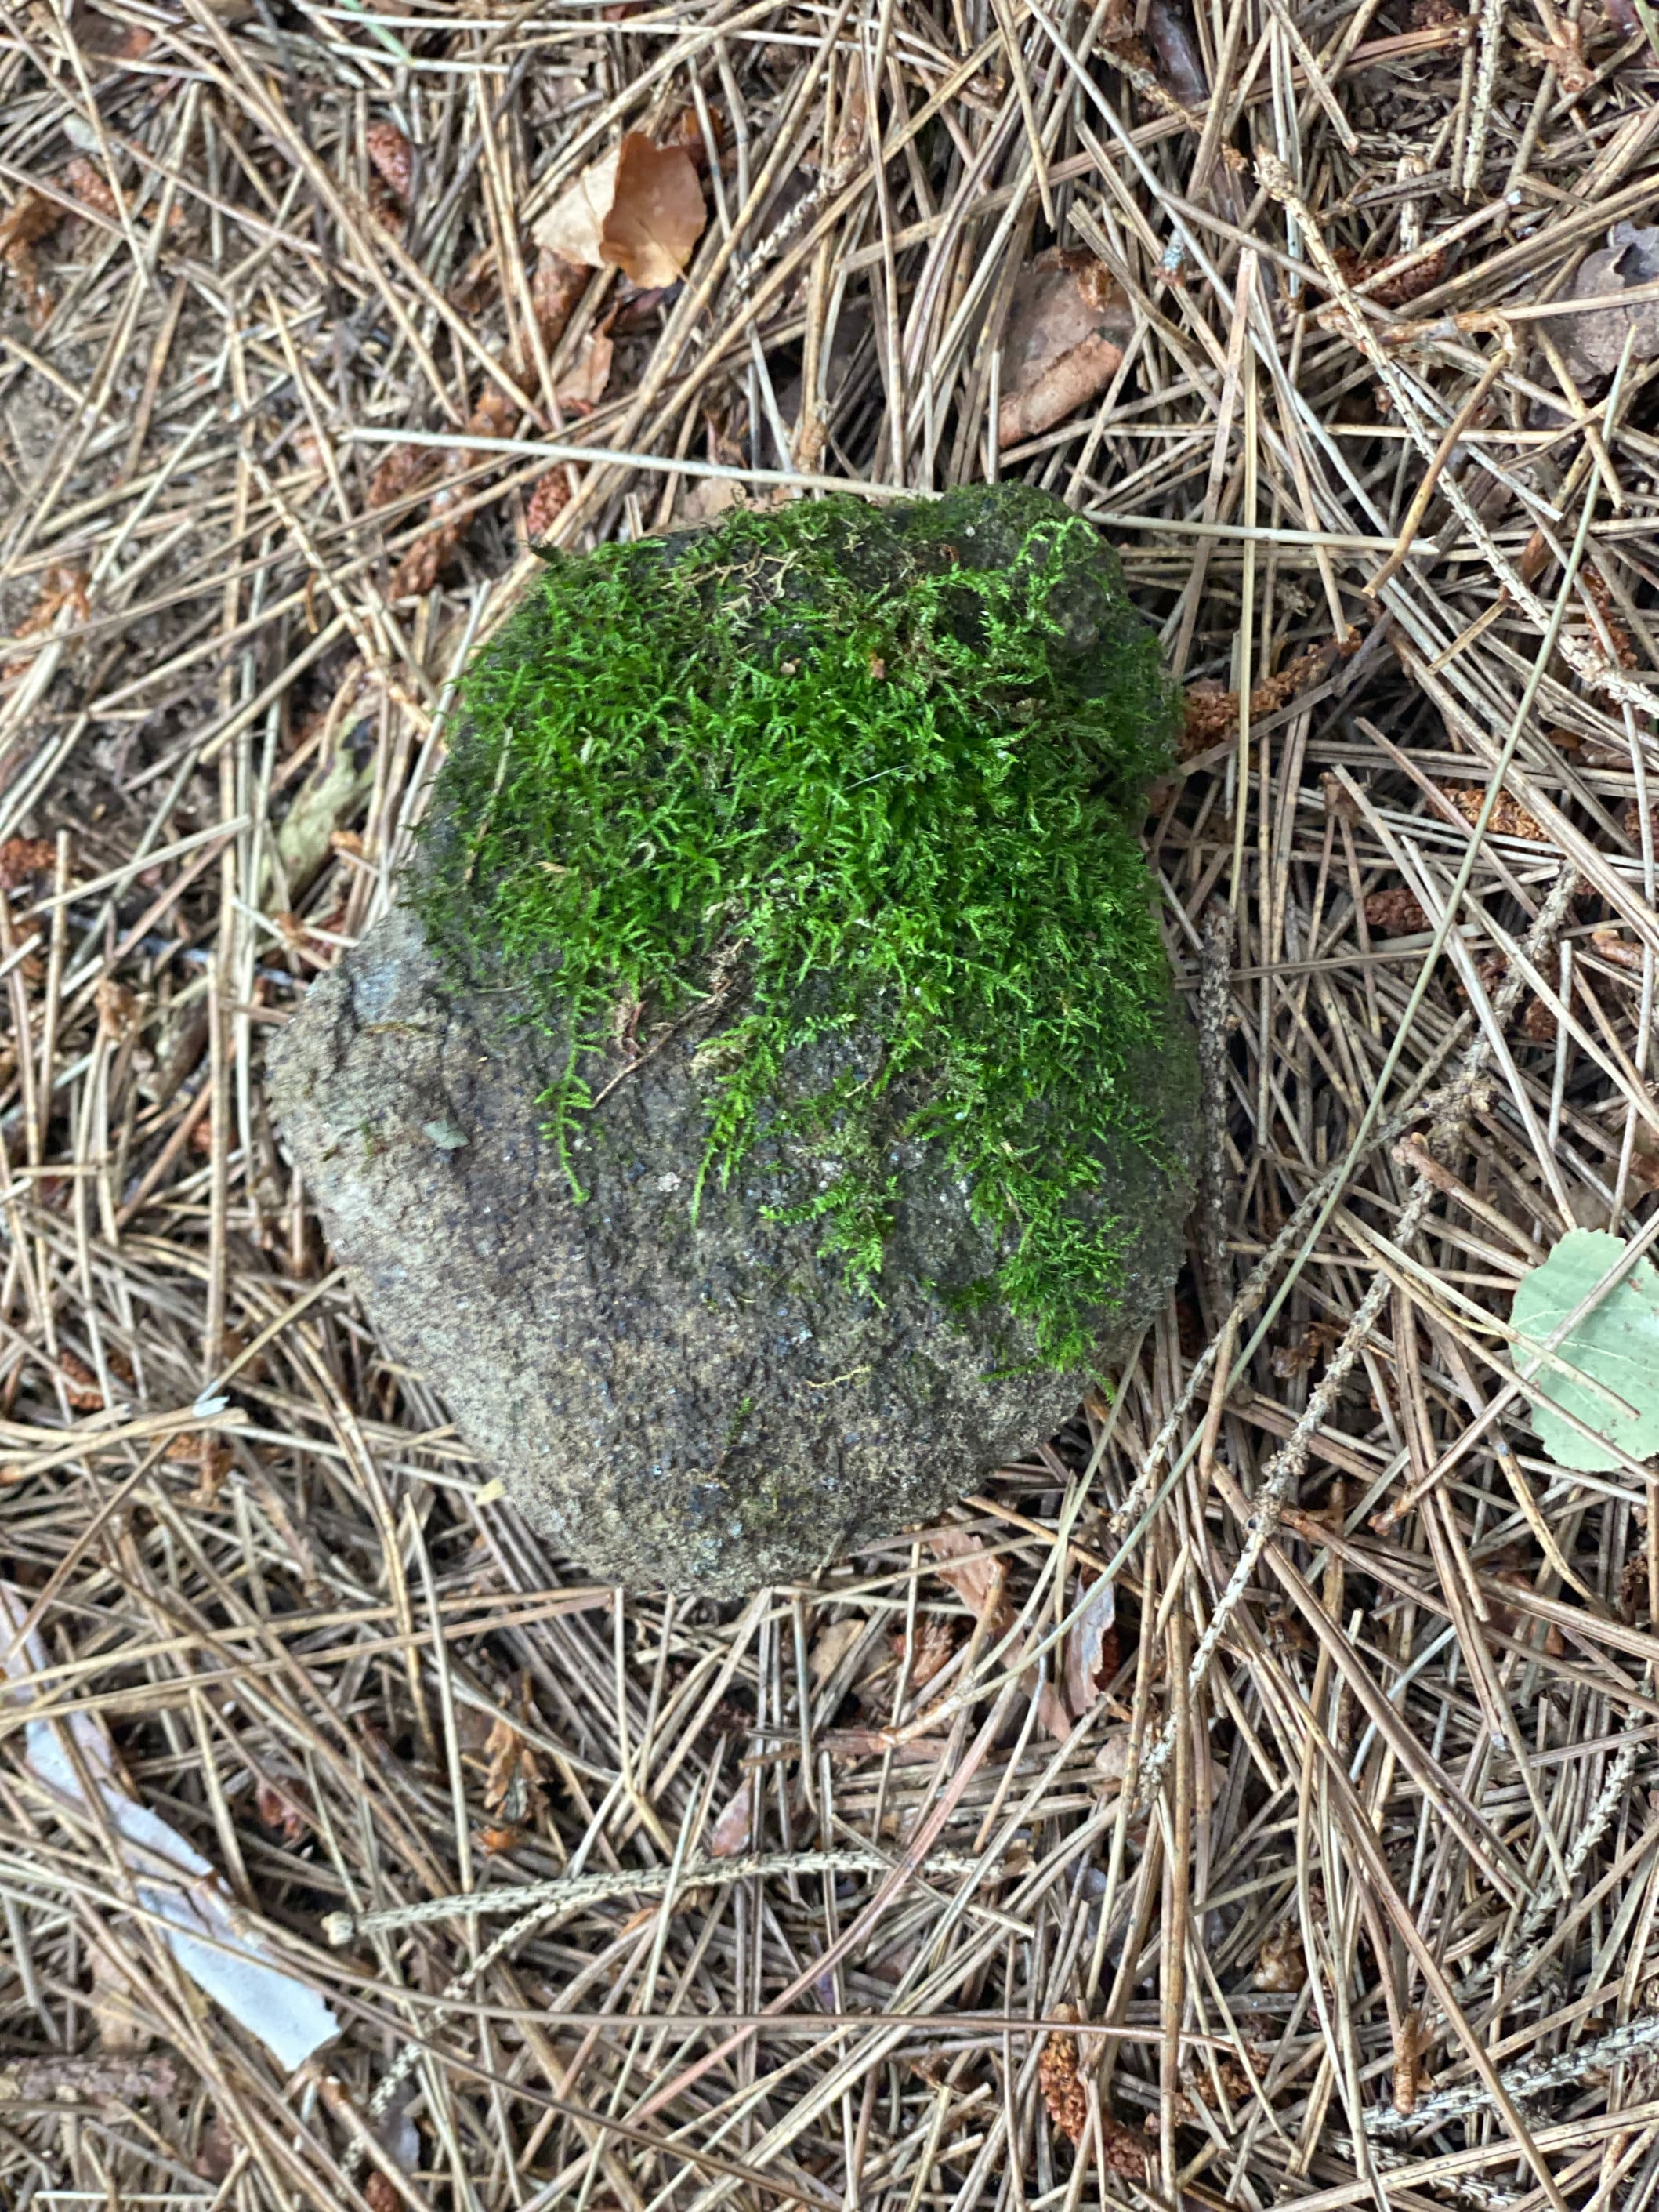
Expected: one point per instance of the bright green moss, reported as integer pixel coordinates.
(872, 775)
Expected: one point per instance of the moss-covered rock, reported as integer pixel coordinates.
(782, 979)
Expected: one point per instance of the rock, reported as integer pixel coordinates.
(701, 1407)
(683, 1388)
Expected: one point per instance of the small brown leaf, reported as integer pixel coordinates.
(79, 1384)
(1070, 382)
(582, 385)
(121, 2034)
(1092, 1656)
(1406, 2057)
(1052, 1716)
(735, 1827)
(1112, 1761)
(658, 214)
(61, 586)
(1592, 340)
(100, 36)
(1616, 952)
(1062, 344)
(31, 217)
(1565, 54)
(214, 1462)
(512, 1774)
(978, 1579)
(640, 210)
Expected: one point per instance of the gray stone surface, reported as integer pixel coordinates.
(699, 1404)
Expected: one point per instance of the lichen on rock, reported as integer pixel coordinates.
(783, 972)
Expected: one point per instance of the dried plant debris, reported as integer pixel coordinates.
(1594, 338)
(640, 210)
(1062, 343)
(1339, 1875)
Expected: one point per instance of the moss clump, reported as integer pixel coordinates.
(862, 783)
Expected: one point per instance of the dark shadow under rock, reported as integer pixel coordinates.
(699, 1403)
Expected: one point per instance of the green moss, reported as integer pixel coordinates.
(867, 778)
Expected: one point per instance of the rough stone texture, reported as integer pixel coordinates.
(703, 1406)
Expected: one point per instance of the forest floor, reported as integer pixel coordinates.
(1251, 1796)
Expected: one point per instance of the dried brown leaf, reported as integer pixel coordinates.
(640, 210)
(214, 1461)
(513, 1772)
(1563, 53)
(1407, 2060)
(658, 213)
(1091, 1655)
(1052, 1718)
(1112, 1761)
(61, 586)
(734, 1829)
(1062, 343)
(99, 35)
(976, 1577)
(121, 1011)
(1592, 342)
(1617, 951)
(582, 385)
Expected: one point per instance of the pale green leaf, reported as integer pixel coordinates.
(1614, 1346)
